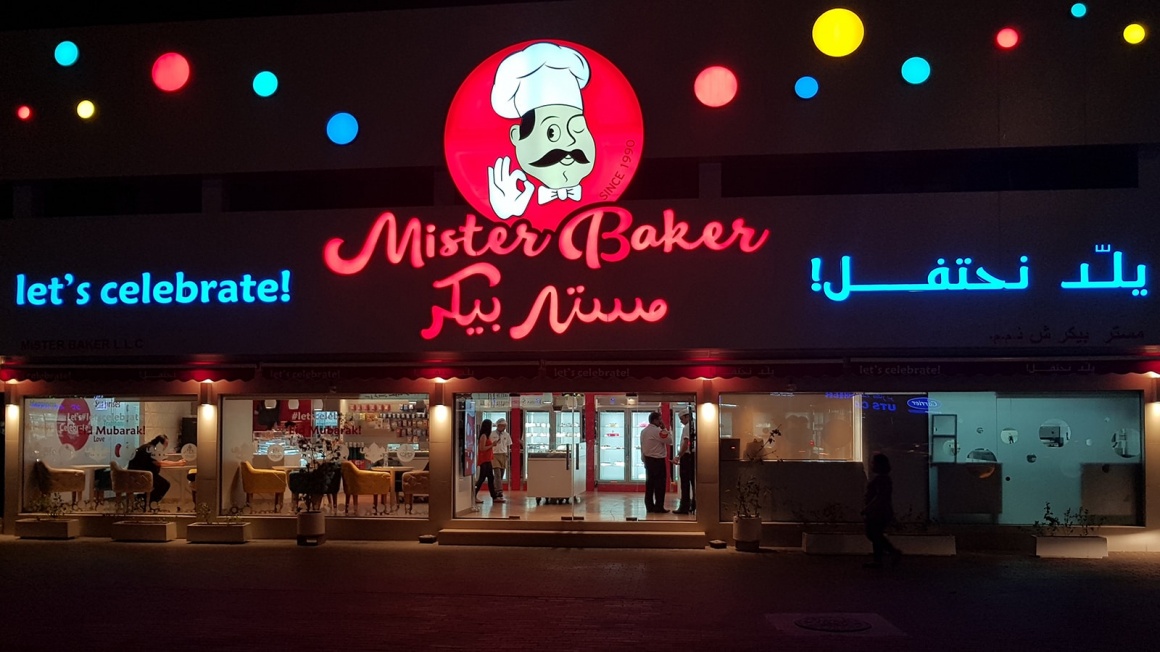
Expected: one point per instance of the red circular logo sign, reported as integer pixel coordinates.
(74, 423)
(541, 129)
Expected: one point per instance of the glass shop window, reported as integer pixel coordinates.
(364, 455)
(793, 426)
(79, 451)
(1003, 458)
(987, 458)
(794, 456)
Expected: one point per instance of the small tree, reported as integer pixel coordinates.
(52, 505)
(1078, 523)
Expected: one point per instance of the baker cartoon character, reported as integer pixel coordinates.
(540, 85)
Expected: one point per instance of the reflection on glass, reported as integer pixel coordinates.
(814, 426)
(86, 434)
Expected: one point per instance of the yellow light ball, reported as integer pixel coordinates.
(1134, 33)
(86, 109)
(838, 32)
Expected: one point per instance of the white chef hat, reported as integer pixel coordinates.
(539, 75)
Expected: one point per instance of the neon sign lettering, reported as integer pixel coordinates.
(463, 240)
(597, 236)
(547, 303)
(1117, 276)
(673, 235)
(179, 289)
(438, 315)
(940, 279)
(551, 297)
(419, 243)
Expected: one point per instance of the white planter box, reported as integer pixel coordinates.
(217, 532)
(49, 528)
(144, 531)
(1071, 547)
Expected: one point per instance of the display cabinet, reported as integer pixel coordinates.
(611, 444)
(537, 431)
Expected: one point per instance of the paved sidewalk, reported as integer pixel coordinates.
(94, 594)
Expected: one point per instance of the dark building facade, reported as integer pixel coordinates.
(820, 231)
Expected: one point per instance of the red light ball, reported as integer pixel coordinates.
(1007, 38)
(170, 72)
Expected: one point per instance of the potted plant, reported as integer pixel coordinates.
(747, 510)
(1072, 535)
(48, 524)
(206, 530)
(139, 527)
(310, 485)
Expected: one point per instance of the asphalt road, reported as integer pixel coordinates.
(94, 594)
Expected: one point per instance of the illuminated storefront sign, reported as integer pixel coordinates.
(542, 139)
(572, 125)
(68, 289)
(597, 237)
(940, 278)
(541, 129)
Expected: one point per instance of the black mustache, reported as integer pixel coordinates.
(555, 156)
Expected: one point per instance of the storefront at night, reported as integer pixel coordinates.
(275, 250)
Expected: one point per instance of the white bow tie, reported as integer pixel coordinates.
(545, 194)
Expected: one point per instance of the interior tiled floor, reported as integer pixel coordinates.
(592, 506)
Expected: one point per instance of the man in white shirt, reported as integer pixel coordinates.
(654, 443)
(502, 440)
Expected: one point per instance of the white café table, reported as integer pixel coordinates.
(90, 475)
(178, 477)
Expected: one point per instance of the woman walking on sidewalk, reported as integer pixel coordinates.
(879, 510)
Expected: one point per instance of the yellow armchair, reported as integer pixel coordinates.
(50, 480)
(127, 482)
(263, 481)
(356, 482)
(415, 483)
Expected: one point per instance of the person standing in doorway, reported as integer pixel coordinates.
(879, 510)
(686, 466)
(654, 442)
(483, 459)
(502, 441)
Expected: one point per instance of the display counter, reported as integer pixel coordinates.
(558, 476)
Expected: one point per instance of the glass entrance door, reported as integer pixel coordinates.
(619, 445)
(612, 444)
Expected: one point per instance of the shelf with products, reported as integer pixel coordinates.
(263, 440)
(568, 430)
(537, 431)
(408, 425)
